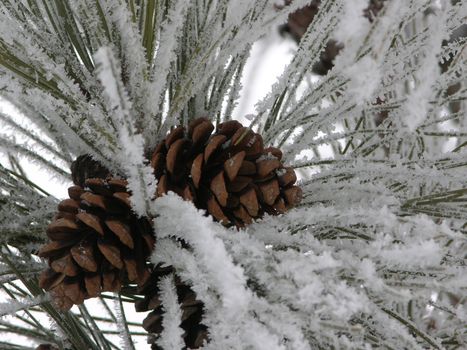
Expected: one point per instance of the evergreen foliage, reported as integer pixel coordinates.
(375, 254)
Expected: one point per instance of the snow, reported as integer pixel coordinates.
(364, 79)
(201, 233)
(126, 341)
(381, 228)
(352, 24)
(131, 155)
(172, 335)
(422, 254)
(12, 306)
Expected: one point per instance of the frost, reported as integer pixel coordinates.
(281, 172)
(417, 104)
(172, 335)
(462, 313)
(13, 306)
(131, 155)
(267, 156)
(364, 79)
(125, 337)
(374, 255)
(352, 23)
(228, 278)
(420, 254)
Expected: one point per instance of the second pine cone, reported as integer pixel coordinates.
(229, 172)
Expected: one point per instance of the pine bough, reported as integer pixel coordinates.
(374, 256)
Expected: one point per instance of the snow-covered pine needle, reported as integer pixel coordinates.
(131, 153)
(126, 341)
(172, 335)
(373, 257)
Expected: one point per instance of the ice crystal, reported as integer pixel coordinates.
(374, 257)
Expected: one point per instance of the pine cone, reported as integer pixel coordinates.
(84, 167)
(327, 56)
(97, 243)
(374, 7)
(46, 347)
(228, 173)
(298, 22)
(192, 309)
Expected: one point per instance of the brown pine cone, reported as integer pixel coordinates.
(46, 347)
(192, 309)
(96, 243)
(84, 167)
(326, 57)
(229, 173)
(374, 7)
(298, 22)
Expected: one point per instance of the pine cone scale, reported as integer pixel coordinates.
(153, 322)
(273, 152)
(229, 128)
(131, 269)
(201, 133)
(270, 191)
(61, 229)
(219, 189)
(288, 177)
(266, 167)
(93, 284)
(75, 192)
(122, 231)
(93, 200)
(91, 221)
(242, 214)
(175, 135)
(49, 279)
(216, 211)
(69, 205)
(293, 195)
(123, 198)
(247, 168)
(232, 165)
(111, 253)
(239, 184)
(174, 157)
(54, 248)
(83, 254)
(196, 169)
(250, 201)
(74, 292)
(213, 146)
(65, 265)
(240, 135)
